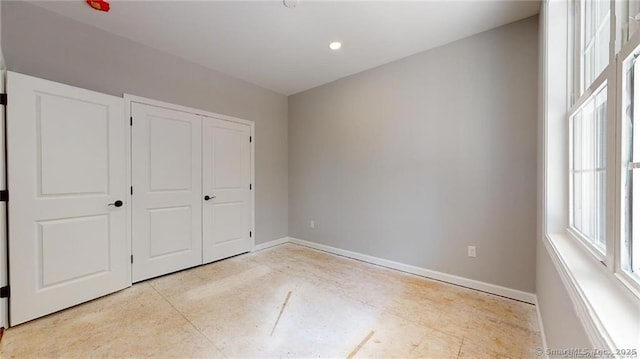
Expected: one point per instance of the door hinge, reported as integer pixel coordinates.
(3, 99)
(4, 195)
(250, 139)
(131, 121)
(132, 259)
(250, 234)
(5, 292)
(131, 190)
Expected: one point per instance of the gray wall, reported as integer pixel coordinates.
(417, 159)
(43, 44)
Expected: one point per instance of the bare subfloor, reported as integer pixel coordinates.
(287, 301)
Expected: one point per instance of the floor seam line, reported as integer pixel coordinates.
(460, 349)
(185, 318)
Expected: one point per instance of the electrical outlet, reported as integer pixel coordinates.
(312, 224)
(471, 251)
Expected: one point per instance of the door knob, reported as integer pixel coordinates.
(206, 198)
(117, 203)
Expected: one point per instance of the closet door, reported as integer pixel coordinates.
(67, 224)
(166, 200)
(226, 220)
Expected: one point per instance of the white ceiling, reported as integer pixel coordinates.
(286, 50)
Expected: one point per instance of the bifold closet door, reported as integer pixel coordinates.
(226, 211)
(166, 201)
(67, 214)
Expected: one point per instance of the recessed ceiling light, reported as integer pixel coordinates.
(291, 3)
(335, 45)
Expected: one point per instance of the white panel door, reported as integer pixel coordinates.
(67, 228)
(226, 177)
(166, 201)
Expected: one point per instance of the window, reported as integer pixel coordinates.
(629, 14)
(604, 136)
(588, 125)
(592, 36)
(591, 133)
(588, 170)
(630, 176)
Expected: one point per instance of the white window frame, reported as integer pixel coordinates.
(612, 78)
(605, 78)
(600, 82)
(578, 87)
(628, 49)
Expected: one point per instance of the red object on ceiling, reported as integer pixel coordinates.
(100, 5)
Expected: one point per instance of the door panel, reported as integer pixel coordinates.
(66, 152)
(57, 238)
(170, 229)
(64, 126)
(166, 175)
(226, 179)
(170, 150)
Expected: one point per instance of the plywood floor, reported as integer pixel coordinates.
(335, 307)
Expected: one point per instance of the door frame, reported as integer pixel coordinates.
(129, 99)
(4, 225)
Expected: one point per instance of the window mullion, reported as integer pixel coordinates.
(634, 250)
(611, 145)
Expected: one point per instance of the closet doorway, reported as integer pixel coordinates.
(192, 187)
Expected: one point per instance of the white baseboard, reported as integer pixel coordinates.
(269, 244)
(449, 278)
(543, 336)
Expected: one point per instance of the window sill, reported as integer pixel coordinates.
(608, 310)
